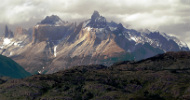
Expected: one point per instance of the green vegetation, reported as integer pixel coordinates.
(163, 77)
(9, 68)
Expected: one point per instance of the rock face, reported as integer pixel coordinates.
(51, 33)
(56, 45)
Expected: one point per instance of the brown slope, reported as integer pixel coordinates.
(88, 48)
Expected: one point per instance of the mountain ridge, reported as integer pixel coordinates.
(53, 47)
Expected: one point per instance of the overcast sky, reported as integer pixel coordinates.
(170, 16)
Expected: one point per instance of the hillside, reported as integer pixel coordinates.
(9, 68)
(163, 77)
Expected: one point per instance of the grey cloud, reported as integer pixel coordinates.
(182, 31)
(168, 15)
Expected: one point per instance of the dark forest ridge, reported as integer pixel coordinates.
(163, 77)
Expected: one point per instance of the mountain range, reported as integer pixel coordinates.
(162, 77)
(53, 44)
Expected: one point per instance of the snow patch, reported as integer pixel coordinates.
(101, 30)
(180, 43)
(113, 28)
(40, 72)
(15, 44)
(11, 53)
(18, 43)
(55, 53)
(133, 38)
(7, 41)
(88, 28)
(36, 26)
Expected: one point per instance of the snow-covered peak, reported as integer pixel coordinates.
(181, 44)
(156, 39)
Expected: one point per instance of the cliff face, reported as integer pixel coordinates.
(51, 33)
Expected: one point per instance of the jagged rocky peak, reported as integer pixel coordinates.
(95, 15)
(8, 33)
(52, 20)
(120, 27)
(97, 21)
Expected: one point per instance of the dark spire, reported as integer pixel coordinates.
(8, 33)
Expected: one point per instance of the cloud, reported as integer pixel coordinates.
(23, 10)
(168, 16)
